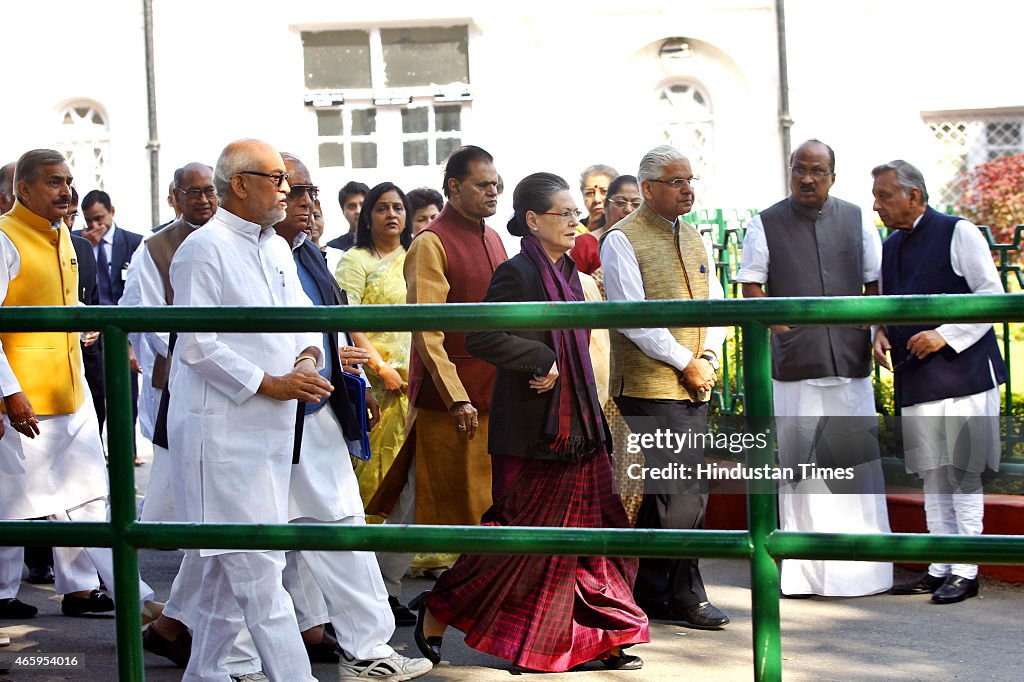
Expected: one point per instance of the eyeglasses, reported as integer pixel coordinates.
(566, 215)
(677, 183)
(296, 192)
(279, 178)
(623, 203)
(591, 192)
(816, 173)
(196, 192)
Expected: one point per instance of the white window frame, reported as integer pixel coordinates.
(389, 103)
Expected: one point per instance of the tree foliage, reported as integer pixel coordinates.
(993, 194)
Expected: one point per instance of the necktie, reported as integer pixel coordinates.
(103, 276)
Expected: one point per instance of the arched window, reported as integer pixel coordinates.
(84, 137)
(685, 114)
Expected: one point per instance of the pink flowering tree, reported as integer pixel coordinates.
(993, 194)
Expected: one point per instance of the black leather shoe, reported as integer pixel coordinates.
(925, 584)
(956, 588)
(703, 616)
(15, 609)
(41, 575)
(176, 650)
(623, 661)
(96, 602)
(403, 616)
(324, 651)
(430, 647)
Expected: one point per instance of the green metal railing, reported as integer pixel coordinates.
(763, 544)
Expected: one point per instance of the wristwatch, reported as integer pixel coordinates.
(712, 360)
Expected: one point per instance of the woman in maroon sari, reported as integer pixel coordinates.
(551, 467)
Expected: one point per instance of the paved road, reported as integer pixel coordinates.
(871, 638)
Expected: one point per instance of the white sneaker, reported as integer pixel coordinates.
(251, 677)
(394, 667)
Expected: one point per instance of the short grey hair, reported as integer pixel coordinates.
(234, 159)
(907, 176)
(656, 159)
(31, 161)
(596, 169)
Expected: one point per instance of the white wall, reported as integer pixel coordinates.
(556, 86)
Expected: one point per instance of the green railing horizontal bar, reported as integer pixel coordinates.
(1007, 468)
(521, 316)
(56, 534)
(902, 547)
(476, 539)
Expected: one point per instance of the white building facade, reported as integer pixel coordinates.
(385, 93)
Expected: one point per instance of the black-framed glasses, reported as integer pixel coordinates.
(196, 192)
(677, 183)
(296, 191)
(816, 173)
(623, 203)
(566, 215)
(279, 178)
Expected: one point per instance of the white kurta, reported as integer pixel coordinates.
(235, 445)
(809, 506)
(623, 282)
(63, 466)
(149, 397)
(931, 429)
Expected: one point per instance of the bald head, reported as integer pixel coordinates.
(7, 187)
(249, 180)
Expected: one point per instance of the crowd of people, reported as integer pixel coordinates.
(448, 428)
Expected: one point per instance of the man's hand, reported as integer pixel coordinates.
(464, 416)
(543, 384)
(21, 414)
(881, 348)
(133, 361)
(89, 338)
(923, 344)
(351, 356)
(302, 383)
(699, 375)
(373, 408)
(779, 328)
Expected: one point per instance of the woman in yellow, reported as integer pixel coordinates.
(371, 273)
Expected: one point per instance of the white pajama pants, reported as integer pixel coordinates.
(183, 604)
(75, 568)
(949, 511)
(346, 587)
(244, 589)
(393, 565)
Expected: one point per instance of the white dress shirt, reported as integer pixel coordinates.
(623, 282)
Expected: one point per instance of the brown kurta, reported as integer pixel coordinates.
(453, 475)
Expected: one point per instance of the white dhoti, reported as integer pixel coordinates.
(60, 475)
(949, 443)
(324, 489)
(822, 505)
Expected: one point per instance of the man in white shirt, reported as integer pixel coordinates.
(947, 376)
(231, 417)
(662, 378)
(814, 244)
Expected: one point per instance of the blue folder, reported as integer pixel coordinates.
(356, 390)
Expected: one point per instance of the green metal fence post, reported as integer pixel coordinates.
(761, 507)
(121, 438)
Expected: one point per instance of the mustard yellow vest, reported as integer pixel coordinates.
(48, 365)
(673, 267)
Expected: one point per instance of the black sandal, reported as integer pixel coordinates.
(622, 661)
(430, 647)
